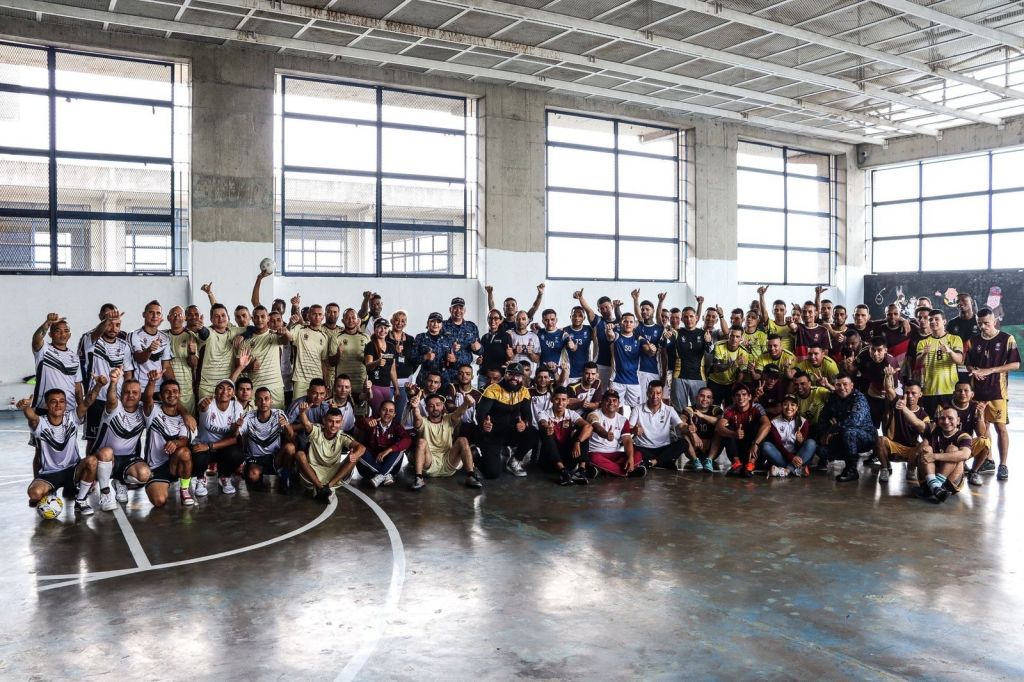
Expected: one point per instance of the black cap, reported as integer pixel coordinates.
(513, 368)
(458, 300)
(435, 316)
(381, 322)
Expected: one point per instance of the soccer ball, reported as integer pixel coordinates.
(50, 507)
(268, 266)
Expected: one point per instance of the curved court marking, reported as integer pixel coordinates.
(357, 662)
(81, 578)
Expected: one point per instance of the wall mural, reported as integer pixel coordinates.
(1000, 290)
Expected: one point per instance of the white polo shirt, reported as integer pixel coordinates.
(657, 426)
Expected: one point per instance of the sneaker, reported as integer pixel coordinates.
(639, 472)
(736, 469)
(201, 490)
(107, 501)
(883, 474)
(848, 474)
(873, 461)
(227, 485)
(418, 483)
(778, 472)
(506, 453)
(515, 467)
(579, 477)
(236, 481)
(83, 508)
(377, 480)
(389, 479)
(1004, 473)
(988, 467)
(120, 492)
(211, 469)
(939, 494)
(473, 479)
(323, 494)
(186, 498)
(708, 465)
(565, 478)
(695, 465)
(974, 478)
(591, 472)
(748, 470)
(911, 474)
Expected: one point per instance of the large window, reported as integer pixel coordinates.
(612, 199)
(962, 213)
(374, 181)
(93, 163)
(785, 215)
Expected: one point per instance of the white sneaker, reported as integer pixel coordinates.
(120, 492)
(226, 486)
(201, 490)
(389, 479)
(515, 467)
(107, 501)
(911, 474)
(83, 508)
(186, 498)
(778, 472)
(377, 480)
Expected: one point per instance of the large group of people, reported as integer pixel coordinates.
(310, 394)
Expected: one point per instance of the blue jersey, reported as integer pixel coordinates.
(627, 359)
(551, 345)
(653, 334)
(579, 357)
(604, 349)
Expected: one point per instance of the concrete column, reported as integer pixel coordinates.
(715, 213)
(232, 168)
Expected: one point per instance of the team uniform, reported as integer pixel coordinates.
(121, 431)
(987, 353)
(593, 394)
(325, 454)
(871, 382)
(901, 436)
(805, 338)
(940, 442)
(938, 375)
(784, 332)
(969, 424)
(262, 439)
(692, 350)
(648, 370)
(726, 365)
(349, 348)
(439, 437)
(828, 369)
(755, 342)
(551, 346)
(529, 342)
(58, 451)
(161, 428)
(265, 349)
(604, 349)
(810, 407)
(896, 342)
(140, 340)
(216, 359)
(626, 352)
(310, 353)
(104, 356)
(582, 337)
(607, 454)
(183, 371)
(539, 402)
(56, 368)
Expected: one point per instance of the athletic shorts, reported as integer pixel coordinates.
(122, 464)
(65, 478)
(629, 394)
(979, 444)
(899, 450)
(996, 412)
(162, 474)
(645, 379)
(684, 392)
(441, 466)
(957, 486)
(264, 462)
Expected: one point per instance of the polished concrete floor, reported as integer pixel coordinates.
(676, 576)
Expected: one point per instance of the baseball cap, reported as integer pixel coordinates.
(458, 300)
(435, 317)
(513, 368)
(381, 322)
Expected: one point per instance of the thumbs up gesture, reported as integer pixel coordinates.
(520, 425)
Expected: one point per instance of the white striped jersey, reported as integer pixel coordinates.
(121, 430)
(104, 356)
(139, 340)
(262, 438)
(58, 445)
(56, 369)
(160, 429)
(215, 424)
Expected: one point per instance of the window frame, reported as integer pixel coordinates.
(53, 213)
(379, 226)
(989, 232)
(681, 222)
(832, 214)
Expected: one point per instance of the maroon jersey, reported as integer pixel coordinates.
(706, 430)
(806, 338)
(872, 374)
(900, 430)
(940, 442)
(896, 342)
(984, 353)
(594, 394)
(748, 419)
(968, 417)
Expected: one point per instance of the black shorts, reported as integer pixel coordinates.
(93, 417)
(162, 474)
(122, 464)
(264, 462)
(65, 478)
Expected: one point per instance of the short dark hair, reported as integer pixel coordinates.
(560, 390)
(984, 312)
(54, 391)
(317, 381)
(656, 383)
(243, 380)
(589, 364)
(549, 311)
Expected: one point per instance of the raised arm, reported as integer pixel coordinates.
(761, 291)
(98, 382)
(536, 302)
(147, 396)
(468, 401)
(208, 290)
(490, 296)
(635, 294)
(39, 337)
(254, 298)
(25, 405)
(578, 295)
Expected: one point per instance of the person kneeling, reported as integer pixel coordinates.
(787, 442)
(652, 425)
(740, 428)
(941, 457)
(439, 452)
(564, 440)
(322, 468)
(611, 445)
(386, 442)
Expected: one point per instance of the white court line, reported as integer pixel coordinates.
(139, 554)
(80, 578)
(20, 480)
(15, 431)
(357, 662)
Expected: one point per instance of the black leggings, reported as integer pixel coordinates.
(491, 444)
(228, 460)
(666, 455)
(551, 453)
